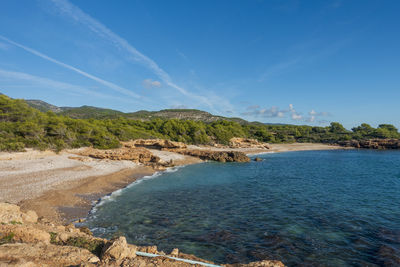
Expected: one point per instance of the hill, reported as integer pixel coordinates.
(43, 106)
(89, 112)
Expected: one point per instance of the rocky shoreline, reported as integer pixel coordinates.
(26, 240)
(73, 198)
(372, 144)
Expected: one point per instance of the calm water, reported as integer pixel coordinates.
(316, 208)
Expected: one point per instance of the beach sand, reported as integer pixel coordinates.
(62, 187)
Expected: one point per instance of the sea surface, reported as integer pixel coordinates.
(313, 208)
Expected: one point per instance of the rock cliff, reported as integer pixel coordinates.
(26, 241)
(372, 144)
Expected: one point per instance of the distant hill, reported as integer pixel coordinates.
(87, 112)
(43, 106)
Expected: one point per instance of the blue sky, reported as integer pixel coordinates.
(299, 62)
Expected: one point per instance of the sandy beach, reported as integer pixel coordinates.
(62, 187)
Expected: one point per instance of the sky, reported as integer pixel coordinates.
(274, 61)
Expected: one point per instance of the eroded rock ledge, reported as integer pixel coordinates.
(138, 151)
(372, 144)
(26, 241)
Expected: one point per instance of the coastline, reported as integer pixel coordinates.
(72, 197)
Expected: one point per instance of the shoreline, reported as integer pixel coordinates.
(72, 199)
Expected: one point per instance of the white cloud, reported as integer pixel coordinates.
(148, 84)
(76, 14)
(273, 112)
(314, 113)
(294, 114)
(81, 72)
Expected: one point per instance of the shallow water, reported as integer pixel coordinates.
(314, 208)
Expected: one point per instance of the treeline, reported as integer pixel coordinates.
(23, 126)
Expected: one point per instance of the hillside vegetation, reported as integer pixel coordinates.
(23, 126)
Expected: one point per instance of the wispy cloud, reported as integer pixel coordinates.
(313, 116)
(256, 111)
(54, 85)
(149, 83)
(79, 71)
(4, 46)
(303, 54)
(275, 112)
(73, 12)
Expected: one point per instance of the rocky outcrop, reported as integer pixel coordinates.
(29, 242)
(161, 144)
(136, 154)
(372, 144)
(221, 156)
(237, 142)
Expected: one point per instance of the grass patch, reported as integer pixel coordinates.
(94, 246)
(15, 222)
(53, 238)
(7, 239)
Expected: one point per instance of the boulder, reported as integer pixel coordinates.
(118, 249)
(10, 213)
(30, 216)
(258, 159)
(175, 252)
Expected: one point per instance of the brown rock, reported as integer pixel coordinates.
(10, 213)
(372, 144)
(26, 234)
(221, 156)
(154, 143)
(175, 252)
(45, 254)
(138, 154)
(117, 249)
(258, 159)
(237, 142)
(30, 216)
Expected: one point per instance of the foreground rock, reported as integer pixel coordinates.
(372, 144)
(28, 241)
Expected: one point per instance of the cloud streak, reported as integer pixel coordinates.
(76, 14)
(79, 71)
(57, 85)
(149, 83)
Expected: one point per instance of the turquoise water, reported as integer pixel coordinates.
(314, 208)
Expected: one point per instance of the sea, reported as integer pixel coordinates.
(309, 208)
